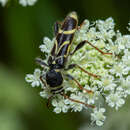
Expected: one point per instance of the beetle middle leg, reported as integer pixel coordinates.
(79, 85)
(71, 66)
(81, 44)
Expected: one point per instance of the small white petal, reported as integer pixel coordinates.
(57, 110)
(29, 78)
(99, 123)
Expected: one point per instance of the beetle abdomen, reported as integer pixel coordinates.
(54, 78)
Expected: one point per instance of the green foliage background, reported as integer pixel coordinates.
(21, 32)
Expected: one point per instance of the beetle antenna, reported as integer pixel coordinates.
(41, 62)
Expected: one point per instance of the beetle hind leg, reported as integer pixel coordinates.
(77, 101)
(49, 101)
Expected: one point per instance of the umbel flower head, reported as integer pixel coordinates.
(114, 70)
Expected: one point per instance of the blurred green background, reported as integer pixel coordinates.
(21, 32)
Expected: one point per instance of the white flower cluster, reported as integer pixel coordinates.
(113, 84)
(22, 2)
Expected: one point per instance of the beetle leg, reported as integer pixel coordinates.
(41, 62)
(43, 81)
(78, 28)
(77, 101)
(79, 85)
(81, 44)
(75, 65)
(48, 101)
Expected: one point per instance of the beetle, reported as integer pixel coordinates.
(64, 34)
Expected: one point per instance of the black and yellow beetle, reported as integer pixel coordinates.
(64, 34)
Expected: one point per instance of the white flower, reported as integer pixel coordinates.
(91, 97)
(115, 100)
(106, 28)
(114, 48)
(45, 93)
(119, 69)
(123, 41)
(75, 105)
(106, 35)
(59, 105)
(108, 24)
(90, 35)
(27, 2)
(107, 83)
(46, 47)
(98, 117)
(3, 2)
(34, 79)
(126, 58)
(125, 85)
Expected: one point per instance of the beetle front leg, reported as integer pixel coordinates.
(41, 62)
(81, 44)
